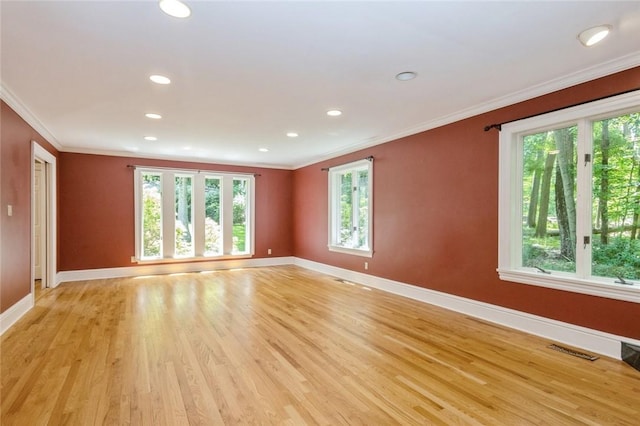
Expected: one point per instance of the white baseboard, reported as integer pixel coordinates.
(169, 268)
(569, 334)
(15, 312)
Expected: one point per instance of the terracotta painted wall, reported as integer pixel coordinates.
(96, 209)
(15, 182)
(436, 215)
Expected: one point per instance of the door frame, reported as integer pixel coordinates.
(49, 240)
(40, 216)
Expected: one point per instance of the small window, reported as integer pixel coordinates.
(184, 238)
(569, 212)
(182, 214)
(212, 223)
(150, 218)
(350, 208)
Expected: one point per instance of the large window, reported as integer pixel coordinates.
(350, 208)
(570, 199)
(182, 214)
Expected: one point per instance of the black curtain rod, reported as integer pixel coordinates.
(135, 166)
(499, 125)
(326, 169)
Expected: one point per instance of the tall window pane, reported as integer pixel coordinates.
(212, 229)
(240, 206)
(549, 200)
(346, 210)
(151, 215)
(184, 216)
(616, 197)
(362, 193)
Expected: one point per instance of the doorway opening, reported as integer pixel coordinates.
(43, 222)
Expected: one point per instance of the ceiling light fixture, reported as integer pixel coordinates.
(159, 79)
(150, 138)
(292, 134)
(153, 115)
(263, 150)
(406, 76)
(594, 35)
(334, 112)
(175, 8)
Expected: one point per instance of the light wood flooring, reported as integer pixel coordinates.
(284, 345)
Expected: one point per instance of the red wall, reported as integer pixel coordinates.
(96, 209)
(436, 215)
(15, 182)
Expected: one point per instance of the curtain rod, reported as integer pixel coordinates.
(135, 166)
(326, 169)
(499, 125)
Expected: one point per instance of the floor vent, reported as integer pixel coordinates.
(572, 352)
(631, 355)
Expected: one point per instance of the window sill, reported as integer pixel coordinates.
(355, 252)
(557, 281)
(190, 259)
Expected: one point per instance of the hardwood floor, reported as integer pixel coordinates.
(284, 345)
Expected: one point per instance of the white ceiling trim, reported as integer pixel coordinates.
(168, 157)
(25, 113)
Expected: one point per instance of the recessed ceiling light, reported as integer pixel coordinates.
(175, 8)
(334, 112)
(153, 115)
(594, 35)
(292, 134)
(150, 138)
(159, 79)
(263, 149)
(406, 76)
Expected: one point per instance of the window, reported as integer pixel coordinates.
(350, 208)
(185, 214)
(570, 199)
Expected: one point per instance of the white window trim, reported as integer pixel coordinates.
(333, 213)
(510, 199)
(168, 204)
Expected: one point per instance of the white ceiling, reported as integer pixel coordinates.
(245, 73)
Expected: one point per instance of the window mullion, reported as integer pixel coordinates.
(584, 199)
(168, 215)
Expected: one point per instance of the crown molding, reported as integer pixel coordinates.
(25, 113)
(167, 157)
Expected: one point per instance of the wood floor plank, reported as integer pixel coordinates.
(285, 345)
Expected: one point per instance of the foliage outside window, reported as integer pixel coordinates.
(570, 199)
(188, 214)
(350, 208)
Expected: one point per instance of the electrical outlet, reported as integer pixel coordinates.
(268, 251)
(10, 210)
(366, 266)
